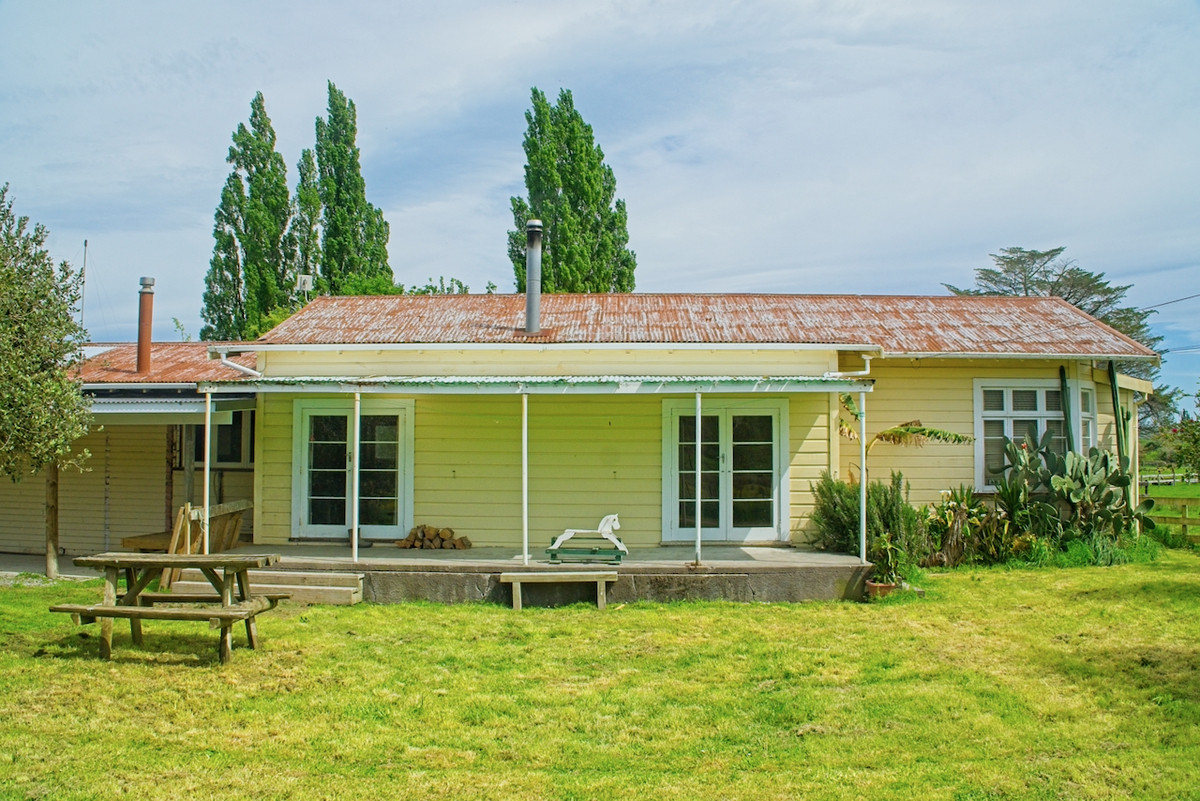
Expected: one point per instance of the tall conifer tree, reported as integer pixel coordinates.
(250, 271)
(354, 235)
(571, 190)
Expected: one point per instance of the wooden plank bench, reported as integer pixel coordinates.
(601, 577)
(222, 617)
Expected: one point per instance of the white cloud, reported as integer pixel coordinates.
(778, 146)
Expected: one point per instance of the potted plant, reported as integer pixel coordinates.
(885, 556)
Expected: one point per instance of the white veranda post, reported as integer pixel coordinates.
(862, 476)
(207, 471)
(524, 478)
(698, 492)
(355, 450)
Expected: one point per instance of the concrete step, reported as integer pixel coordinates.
(313, 587)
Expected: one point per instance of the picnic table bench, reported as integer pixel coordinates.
(231, 602)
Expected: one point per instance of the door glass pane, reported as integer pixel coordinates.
(752, 428)
(327, 511)
(377, 511)
(378, 476)
(710, 514)
(710, 477)
(328, 428)
(753, 457)
(327, 470)
(753, 513)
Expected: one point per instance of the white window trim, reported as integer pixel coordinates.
(670, 504)
(1074, 389)
(246, 463)
(370, 405)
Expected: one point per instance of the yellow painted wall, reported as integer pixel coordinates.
(589, 456)
(811, 452)
(940, 393)
(534, 361)
(122, 491)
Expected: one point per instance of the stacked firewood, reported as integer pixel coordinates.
(432, 537)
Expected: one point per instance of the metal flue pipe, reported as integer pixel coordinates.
(533, 276)
(145, 323)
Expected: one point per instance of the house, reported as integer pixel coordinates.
(473, 412)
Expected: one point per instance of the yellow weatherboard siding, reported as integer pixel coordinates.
(122, 491)
(547, 361)
(588, 456)
(810, 453)
(940, 393)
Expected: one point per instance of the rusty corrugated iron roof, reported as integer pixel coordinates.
(170, 363)
(925, 325)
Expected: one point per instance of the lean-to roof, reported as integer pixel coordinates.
(170, 363)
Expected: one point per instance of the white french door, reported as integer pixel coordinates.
(324, 469)
(742, 470)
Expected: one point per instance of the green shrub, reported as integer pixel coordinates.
(895, 530)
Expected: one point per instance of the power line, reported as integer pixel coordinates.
(1169, 302)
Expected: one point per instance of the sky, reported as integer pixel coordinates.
(791, 146)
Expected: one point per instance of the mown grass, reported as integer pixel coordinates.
(1167, 518)
(1080, 683)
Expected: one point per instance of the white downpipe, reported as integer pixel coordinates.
(862, 476)
(698, 491)
(207, 468)
(241, 368)
(524, 478)
(356, 452)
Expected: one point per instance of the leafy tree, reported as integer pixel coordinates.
(306, 217)
(1029, 273)
(249, 274)
(571, 190)
(1186, 440)
(42, 408)
(355, 235)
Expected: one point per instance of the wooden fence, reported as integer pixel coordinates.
(1187, 508)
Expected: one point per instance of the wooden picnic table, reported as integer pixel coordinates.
(230, 602)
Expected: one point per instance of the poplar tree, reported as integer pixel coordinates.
(571, 190)
(354, 233)
(42, 408)
(250, 271)
(306, 217)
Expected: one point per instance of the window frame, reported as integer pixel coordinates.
(401, 407)
(777, 409)
(1075, 389)
(247, 423)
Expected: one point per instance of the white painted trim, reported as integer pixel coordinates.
(403, 407)
(1073, 388)
(387, 347)
(672, 408)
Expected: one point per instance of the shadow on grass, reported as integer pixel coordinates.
(160, 648)
(1160, 671)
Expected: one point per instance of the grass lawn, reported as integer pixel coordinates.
(1068, 684)
(1173, 491)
